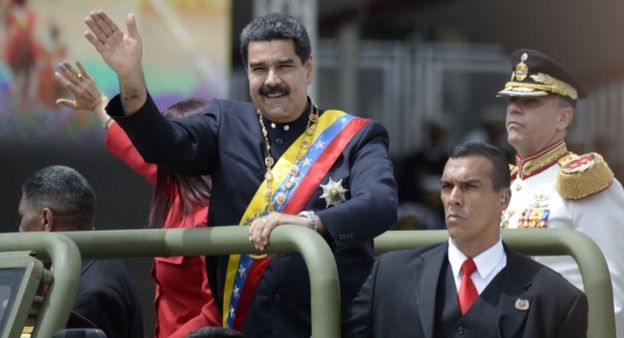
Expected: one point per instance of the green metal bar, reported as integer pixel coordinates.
(539, 242)
(325, 291)
(66, 261)
(14, 318)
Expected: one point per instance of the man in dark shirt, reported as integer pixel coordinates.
(58, 198)
(277, 160)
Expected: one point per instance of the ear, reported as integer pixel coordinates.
(47, 219)
(309, 70)
(505, 197)
(565, 116)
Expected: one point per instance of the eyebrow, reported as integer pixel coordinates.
(284, 61)
(256, 64)
(468, 181)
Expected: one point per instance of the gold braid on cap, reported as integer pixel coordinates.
(583, 176)
(547, 83)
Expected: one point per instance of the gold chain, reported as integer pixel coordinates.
(294, 170)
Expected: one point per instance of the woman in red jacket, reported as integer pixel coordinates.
(183, 300)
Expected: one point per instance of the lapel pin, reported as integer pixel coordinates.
(522, 304)
(333, 192)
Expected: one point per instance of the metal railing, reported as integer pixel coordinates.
(61, 295)
(324, 287)
(325, 295)
(539, 242)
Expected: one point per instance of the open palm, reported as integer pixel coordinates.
(121, 51)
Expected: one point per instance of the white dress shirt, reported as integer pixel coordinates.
(489, 263)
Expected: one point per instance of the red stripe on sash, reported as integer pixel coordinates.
(321, 167)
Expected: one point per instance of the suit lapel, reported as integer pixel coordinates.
(515, 301)
(427, 273)
(86, 265)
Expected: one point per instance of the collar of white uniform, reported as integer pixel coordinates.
(541, 161)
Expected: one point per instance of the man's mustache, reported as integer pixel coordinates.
(271, 90)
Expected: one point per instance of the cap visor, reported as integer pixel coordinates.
(521, 92)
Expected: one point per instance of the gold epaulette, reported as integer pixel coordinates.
(513, 171)
(583, 176)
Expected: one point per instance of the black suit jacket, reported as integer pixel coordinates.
(398, 298)
(107, 297)
(227, 143)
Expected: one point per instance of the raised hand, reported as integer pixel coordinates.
(87, 95)
(121, 51)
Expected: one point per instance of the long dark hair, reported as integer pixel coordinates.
(192, 190)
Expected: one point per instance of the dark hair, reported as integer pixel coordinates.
(191, 189)
(64, 191)
(276, 26)
(215, 332)
(499, 175)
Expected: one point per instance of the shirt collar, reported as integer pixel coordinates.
(297, 126)
(486, 262)
(541, 161)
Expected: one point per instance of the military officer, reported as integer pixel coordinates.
(553, 187)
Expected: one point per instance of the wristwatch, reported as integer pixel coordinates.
(311, 217)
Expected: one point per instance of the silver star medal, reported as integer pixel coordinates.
(333, 192)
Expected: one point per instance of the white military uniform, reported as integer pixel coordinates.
(592, 202)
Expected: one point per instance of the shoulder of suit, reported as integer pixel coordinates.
(397, 255)
(221, 105)
(524, 268)
(410, 255)
(582, 176)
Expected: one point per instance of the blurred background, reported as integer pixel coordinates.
(427, 69)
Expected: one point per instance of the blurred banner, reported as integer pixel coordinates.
(186, 53)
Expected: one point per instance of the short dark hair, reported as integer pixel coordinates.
(215, 332)
(500, 176)
(276, 26)
(64, 191)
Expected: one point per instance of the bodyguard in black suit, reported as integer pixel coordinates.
(107, 297)
(58, 198)
(418, 293)
(352, 197)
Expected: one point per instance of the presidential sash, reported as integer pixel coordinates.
(333, 132)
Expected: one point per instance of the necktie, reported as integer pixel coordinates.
(467, 291)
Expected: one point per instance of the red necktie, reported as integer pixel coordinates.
(467, 291)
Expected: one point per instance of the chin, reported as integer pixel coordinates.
(514, 140)
(280, 115)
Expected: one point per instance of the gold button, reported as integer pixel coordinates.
(281, 198)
